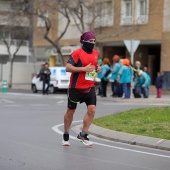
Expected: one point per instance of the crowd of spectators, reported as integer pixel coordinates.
(127, 80)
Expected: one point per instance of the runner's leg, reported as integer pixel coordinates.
(88, 118)
(68, 118)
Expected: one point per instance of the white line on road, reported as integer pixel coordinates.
(56, 129)
(12, 105)
(23, 94)
(61, 101)
(38, 105)
(6, 101)
(59, 96)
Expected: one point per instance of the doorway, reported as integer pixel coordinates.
(154, 53)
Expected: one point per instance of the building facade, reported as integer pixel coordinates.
(119, 20)
(14, 26)
(113, 21)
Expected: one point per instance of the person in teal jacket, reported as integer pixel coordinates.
(142, 82)
(125, 77)
(115, 86)
(104, 75)
(99, 76)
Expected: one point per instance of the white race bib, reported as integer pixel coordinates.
(90, 76)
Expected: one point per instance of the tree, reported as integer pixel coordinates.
(55, 7)
(83, 13)
(15, 30)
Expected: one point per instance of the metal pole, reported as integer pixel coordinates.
(132, 61)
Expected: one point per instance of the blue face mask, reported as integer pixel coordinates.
(88, 46)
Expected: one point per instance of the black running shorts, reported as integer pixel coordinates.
(78, 96)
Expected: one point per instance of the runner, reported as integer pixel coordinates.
(83, 66)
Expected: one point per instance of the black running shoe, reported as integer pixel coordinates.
(84, 139)
(65, 141)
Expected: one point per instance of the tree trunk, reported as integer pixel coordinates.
(10, 73)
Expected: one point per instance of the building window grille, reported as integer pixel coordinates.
(127, 12)
(143, 7)
(104, 14)
(142, 11)
(128, 8)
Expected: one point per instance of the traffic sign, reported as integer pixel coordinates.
(132, 45)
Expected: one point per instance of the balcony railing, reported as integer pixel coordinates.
(22, 21)
(142, 19)
(23, 50)
(15, 42)
(127, 20)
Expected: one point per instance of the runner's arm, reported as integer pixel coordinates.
(74, 69)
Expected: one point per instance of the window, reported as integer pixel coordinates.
(74, 18)
(126, 12)
(4, 35)
(40, 20)
(141, 11)
(104, 14)
(128, 8)
(5, 6)
(98, 9)
(88, 15)
(143, 7)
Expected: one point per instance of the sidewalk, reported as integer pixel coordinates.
(164, 100)
(132, 139)
(18, 88)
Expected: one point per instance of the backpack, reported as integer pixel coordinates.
(106, 75)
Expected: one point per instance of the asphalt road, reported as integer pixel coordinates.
(27, 141)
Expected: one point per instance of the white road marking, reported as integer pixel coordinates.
(60, 97)
(12, 105)
(38, 105)
(6, 101)
(23, 94)
(56, 129)
(37, 95)
(61, 101)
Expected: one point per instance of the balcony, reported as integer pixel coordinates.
(21, 21)
(23, 51)
(142, 19)
(126, 20)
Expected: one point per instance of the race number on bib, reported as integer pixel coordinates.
(90, 76)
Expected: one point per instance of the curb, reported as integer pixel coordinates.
(132, 139)
(150, 100)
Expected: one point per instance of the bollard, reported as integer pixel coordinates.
(4, 86)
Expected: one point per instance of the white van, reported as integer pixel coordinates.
(59, 79)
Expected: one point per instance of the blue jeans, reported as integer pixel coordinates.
(119, 90)
(100, 91)
(126, 90)
(113, 88)
(138, 91)
(45, 90)
(145, 92)
(104, 87)
(116, 89)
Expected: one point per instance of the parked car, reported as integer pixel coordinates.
(59, 79)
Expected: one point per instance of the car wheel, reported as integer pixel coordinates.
(52, 89)
(34, 89)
